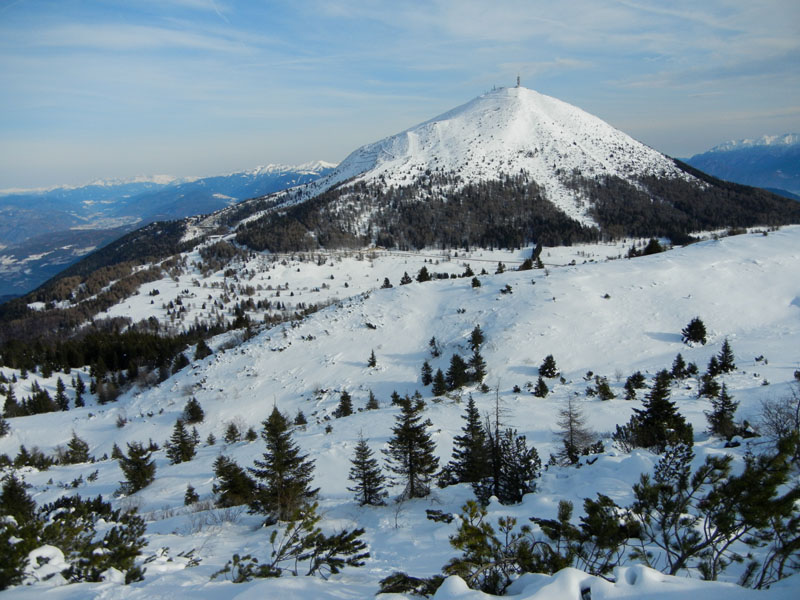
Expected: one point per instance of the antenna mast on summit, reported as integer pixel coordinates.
(517, 80)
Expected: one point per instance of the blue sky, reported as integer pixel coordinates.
(102, 88)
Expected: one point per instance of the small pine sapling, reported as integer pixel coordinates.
(540, 390)
(439, 384)
(426, 374)
(190, 496)
(366, 475)
(727, 363)
(694, 332)
(548, 367)
(720, 419)
(345, 407)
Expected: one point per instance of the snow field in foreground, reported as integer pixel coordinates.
(612, 318)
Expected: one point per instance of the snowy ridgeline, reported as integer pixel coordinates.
(507, 130)
(612, 318)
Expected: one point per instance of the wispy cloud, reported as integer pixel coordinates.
(287, 80)
(116, 36)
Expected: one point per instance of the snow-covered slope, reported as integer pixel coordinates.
(506, 131)
(607, 317)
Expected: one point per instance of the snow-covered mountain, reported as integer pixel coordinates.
(510, 167)
(507, 131)
(771, 162)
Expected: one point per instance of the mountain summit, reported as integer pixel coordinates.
(509, 168)
(507, 131)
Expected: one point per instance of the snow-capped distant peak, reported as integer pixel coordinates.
(160, 180)
(787, 139)
(157, 179)
(506, 131)
(308, 167)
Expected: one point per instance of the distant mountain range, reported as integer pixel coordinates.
(508, 169)
(44, 231)
(770, 162)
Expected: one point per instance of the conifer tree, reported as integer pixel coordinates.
(709, 387)
(80, 390)
(477, 367)
(548, 367)
(476, 283)
(372, 361)
(232, 433)
(439, 384)
(386, 284)
(15, 500)
(410, 456)
(540, 390)
(300, 419)
(5, 426)
(526, 265)
(181, 446)
(433, 345)
(372, 402)
(19, 531)
(284, 475)
(423, 275)
(457, 373)
(720, 419)
(713, 368)
(202, 350)
(116, 453)
(727, 363)
(405, 280)
(61, 399)
(250, 435)
(630, 390)
(190, 496)
(476, 338)
(193, 412)
(694, 332)
(659, 424)
(603, 389)
(211, 439)
(345, 408)
(366, 475)
(426, 374)
(139, 469)
(679, 367)
(77, 450)
(11, 408)
(513, 467)
(469, 461)
(233, 485)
